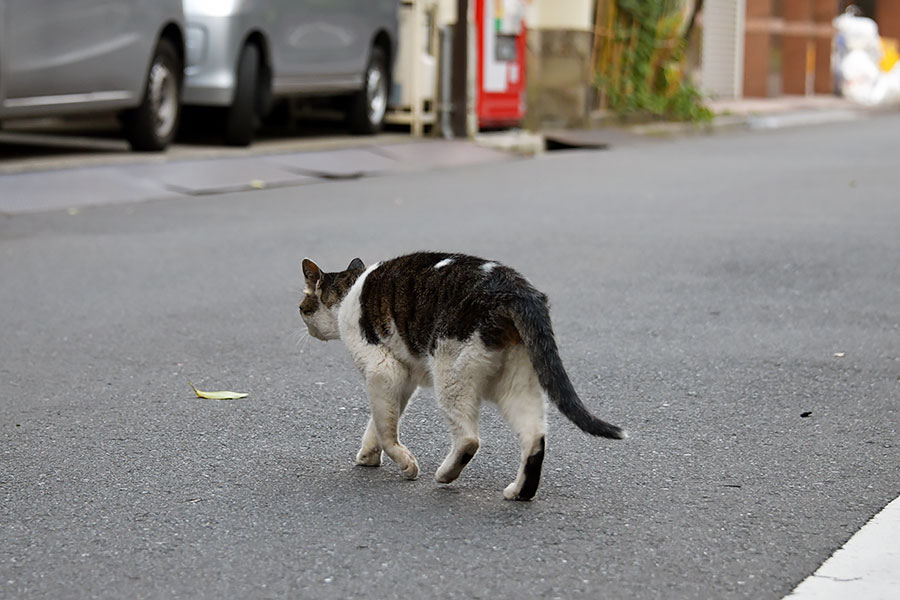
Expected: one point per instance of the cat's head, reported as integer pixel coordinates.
(322, 297)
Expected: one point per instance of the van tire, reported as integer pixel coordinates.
(152, 126)
(242, 117)
(368, 106)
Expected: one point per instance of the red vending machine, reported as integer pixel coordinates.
(500, 84)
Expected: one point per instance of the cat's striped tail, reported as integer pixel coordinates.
(531, 316)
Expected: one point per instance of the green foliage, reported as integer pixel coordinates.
(641, 63)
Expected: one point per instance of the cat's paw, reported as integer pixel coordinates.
(369, 457)
(456, 461)
(448, 473)
(411, 470)
(513, 492)
(443, 476)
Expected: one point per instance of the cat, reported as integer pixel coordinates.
(471, 328)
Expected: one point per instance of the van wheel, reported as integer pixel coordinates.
(368, 106)
(242, 117)
(151, 126)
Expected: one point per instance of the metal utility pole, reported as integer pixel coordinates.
(459, 82)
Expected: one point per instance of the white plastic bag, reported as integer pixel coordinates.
(859, 75)
(887, 87)
(855, 60)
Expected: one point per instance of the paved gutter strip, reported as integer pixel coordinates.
(802, 118)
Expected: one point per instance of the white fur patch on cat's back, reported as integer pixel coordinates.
(444, 263)
(351, 310)
(489, 266)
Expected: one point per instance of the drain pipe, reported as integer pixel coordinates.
(460, 71)
(446, 102)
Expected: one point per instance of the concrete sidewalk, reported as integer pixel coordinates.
(114, 176)
(78, 187)
(786, 111)
(769, 113)
(734, 114)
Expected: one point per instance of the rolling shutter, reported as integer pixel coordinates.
(722, 57)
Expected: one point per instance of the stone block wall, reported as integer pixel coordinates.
(558, 78)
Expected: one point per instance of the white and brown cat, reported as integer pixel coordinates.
(473, 329)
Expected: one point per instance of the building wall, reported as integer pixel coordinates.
(788, 47)
(561, 14)
(887, 15)
(540, 14)
(757, 50)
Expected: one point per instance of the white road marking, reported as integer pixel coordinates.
(868, 565)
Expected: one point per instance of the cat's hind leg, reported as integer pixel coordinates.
(389, 391)
(520, 398)
(464, 429)
(529, 477)
(369, 454)
(459, 371)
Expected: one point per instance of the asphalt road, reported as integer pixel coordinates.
(707, 293)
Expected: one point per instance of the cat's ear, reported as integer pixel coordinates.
(311, 271)
(356, 265)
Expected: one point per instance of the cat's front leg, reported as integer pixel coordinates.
(369, 454)
(389, 390)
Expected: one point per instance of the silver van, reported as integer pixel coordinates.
(61, 57)
(242, 54)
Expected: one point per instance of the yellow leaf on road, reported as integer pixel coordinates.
(217, 395)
